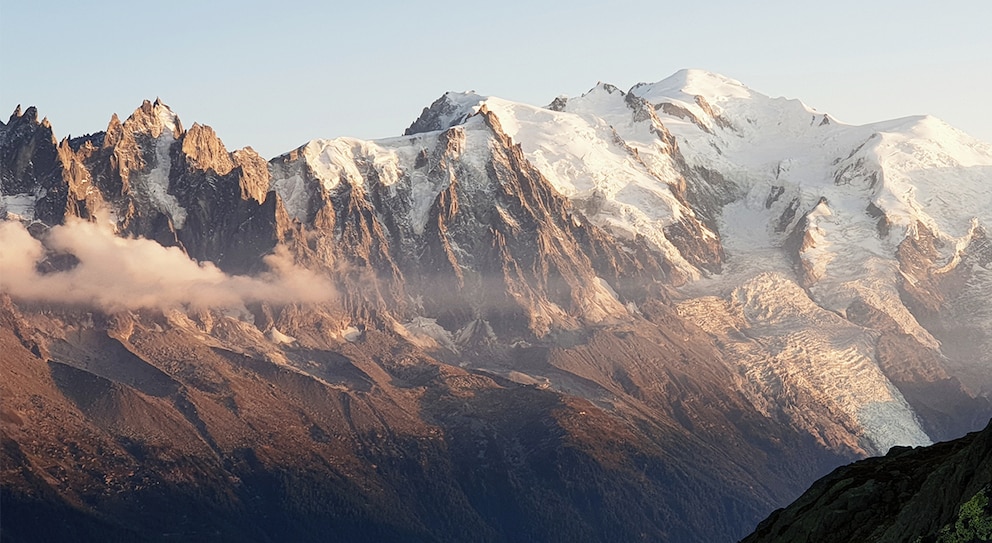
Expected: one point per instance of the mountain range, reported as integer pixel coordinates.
(652, 314)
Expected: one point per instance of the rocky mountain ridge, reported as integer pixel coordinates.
(677, 315)
(929, 494)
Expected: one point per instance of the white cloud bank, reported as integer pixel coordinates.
(115, 273)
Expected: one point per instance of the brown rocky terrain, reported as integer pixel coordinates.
(155, 427)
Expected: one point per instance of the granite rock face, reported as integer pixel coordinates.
(30, 169)
(146, 177)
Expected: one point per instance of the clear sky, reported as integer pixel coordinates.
(275, 75)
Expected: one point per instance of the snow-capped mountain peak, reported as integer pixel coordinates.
(788, 189)
(581, 153)
(688, 83)
(451, 109)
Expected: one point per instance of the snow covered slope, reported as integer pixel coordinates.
(847, 196)
(585, 159)
(834, 203)
(738, 191)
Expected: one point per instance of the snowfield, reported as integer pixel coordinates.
(766, 169)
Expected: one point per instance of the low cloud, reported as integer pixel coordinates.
(115, 273)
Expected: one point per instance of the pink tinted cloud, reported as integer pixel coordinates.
(116, 273)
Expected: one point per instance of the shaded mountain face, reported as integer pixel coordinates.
(655, 314)
(30, 172)
(935, 493)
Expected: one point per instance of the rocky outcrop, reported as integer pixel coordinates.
(801, 239)
(31, 183)
(944, 407)
(920, 261)
(441, 115)
(230, 216)
(937, 493)
(945, 283)
(148, 177)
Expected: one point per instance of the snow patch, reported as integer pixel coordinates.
(18, 206)
(277, 337)
(166, 117)
(427, 332)
(602, 303)
(521, 378)
(295, 197)
(155, 183)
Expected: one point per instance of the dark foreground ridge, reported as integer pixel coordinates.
(941, 493)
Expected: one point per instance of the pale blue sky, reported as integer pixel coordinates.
(274, 75)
